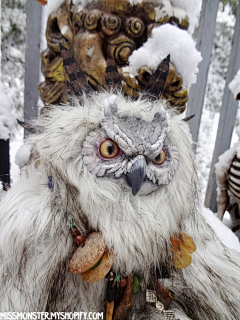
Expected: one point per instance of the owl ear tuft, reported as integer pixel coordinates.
(158, 79)
(112, 77)
(76, 76)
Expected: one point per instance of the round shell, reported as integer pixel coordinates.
(182, 257)
(86, 257)
(94, 275)
(188, 242)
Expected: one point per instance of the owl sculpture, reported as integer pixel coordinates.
(227, 174)
(106, 216)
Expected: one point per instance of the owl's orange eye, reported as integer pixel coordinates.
(160, 158)
(109, 149)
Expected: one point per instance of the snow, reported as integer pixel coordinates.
(234, 85)
(23, 155)
(7, 121)
(164, 10)
(227, 237)
(16, 53)
(192, 8)
(179, 13)
(14, 147)
(168, 39)
(50, 7)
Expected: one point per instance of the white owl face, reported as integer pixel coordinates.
(137, 154)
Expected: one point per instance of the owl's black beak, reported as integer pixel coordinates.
(136, 176)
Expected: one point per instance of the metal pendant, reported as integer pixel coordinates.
(169, 315)
(151, 296)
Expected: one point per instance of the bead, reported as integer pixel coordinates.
(74, 231)
(111, 276)
(86, 257)
(159, 306)
(182, 257)
(50, 183)
(118, 278)
(136, 285)
(123, 282)
(78, 239)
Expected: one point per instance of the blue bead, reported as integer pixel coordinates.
(50, 183)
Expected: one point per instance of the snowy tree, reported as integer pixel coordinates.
(13, 29)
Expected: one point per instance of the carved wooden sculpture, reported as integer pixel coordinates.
(228, 180)
(105, 28)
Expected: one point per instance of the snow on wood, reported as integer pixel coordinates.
(192, 8)
(168, 39)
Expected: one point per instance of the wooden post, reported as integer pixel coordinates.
(5, 164)
(4, 147)
(227, 117)
(205, 35)
(32, 66)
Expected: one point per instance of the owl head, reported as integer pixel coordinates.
(130, 144)
(134, 152)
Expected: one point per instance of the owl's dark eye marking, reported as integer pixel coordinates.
(160, 158)
(109, 149)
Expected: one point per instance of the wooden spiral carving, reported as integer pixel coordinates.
(121, 48)
(91, 19)
(110, 24)
(78, 17)
(97, 33)
(53, 33)
(134, 27)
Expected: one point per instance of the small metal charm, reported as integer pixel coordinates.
(159, 306)
(143, 285)
(169, 315)
(151, 296)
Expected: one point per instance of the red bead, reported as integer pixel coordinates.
(74, 231)
(123, 282)
(78, 239)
